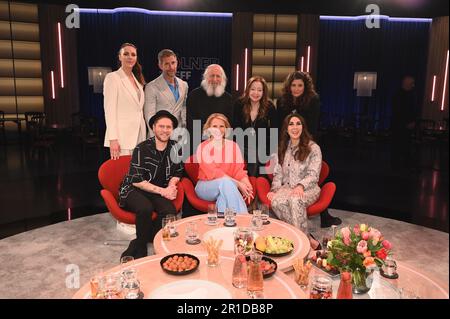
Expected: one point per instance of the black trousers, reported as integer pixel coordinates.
(143, 204)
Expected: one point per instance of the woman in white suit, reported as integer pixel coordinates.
(124, 102)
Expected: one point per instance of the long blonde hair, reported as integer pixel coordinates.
(219, 116)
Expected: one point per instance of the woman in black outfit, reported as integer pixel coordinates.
(299, 96)
(253, 110)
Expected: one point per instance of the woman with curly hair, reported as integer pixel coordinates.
(299, 96)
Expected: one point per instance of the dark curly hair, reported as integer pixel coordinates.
(304, 99)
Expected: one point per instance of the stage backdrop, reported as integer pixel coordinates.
(198, 41)
(395, 49)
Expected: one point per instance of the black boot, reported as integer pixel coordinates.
(141, 251)
(131, 250)
(326, 220)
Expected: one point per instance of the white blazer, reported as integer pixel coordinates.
(123, 110)
(158, 96)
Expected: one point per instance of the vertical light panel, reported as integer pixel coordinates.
(434, 87)
(245, 68)
(302, 62)
(53, 84)
(237, 77)
(445, 83)
(60, 55)
(307, 60)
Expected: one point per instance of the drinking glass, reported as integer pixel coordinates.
(265, 214)
(126, 259)
(389, 268)
(230, 216)
(112, 286)
(255, 281)
(257, 221)
(96, 283)
(321, 287)
(165, 228)
(192, 233)
(212, 215)
(130, 285)
(172, 228)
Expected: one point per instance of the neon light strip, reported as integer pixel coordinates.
(434, 86)
(60, 55)
(153, 12)
(307, 60)
(445, 83)
(364, 17)
(53, 84)
(302, 63)
(237, 77)
(245, 68)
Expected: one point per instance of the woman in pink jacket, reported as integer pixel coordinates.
(222, 177)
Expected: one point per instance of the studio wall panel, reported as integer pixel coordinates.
(279, 72)
(284, 40)
(282, 57)
(24, 12)
(23, 68)
(22, 50)
(24, 104)
(266, 22)
(21, 31)
(23, 86)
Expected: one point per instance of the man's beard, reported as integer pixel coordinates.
(211, 90)
(162, 138)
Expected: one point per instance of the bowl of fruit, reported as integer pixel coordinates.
(179, 264)
(319, 259)
(274, 246)
(268, 266)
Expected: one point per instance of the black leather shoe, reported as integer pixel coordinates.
(326, 220)
(131, 250)
(141, 252)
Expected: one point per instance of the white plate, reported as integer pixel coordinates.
(191, 289)
(226, 234)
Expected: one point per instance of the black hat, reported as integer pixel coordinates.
(160, 114)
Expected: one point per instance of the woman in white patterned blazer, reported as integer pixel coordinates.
(124, 103)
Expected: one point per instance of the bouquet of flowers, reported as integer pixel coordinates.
(359, 250)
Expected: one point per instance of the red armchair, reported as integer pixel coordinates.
(110, 174)
(191, 167)
(326, 192)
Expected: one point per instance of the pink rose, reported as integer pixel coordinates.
(356, 230)
(374, 234)
(346, 235)
(386, 244)
(362, 247)
(365, 235)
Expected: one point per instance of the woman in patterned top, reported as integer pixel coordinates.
(296, 174)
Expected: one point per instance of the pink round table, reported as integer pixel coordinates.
(275, 228)
(414, 283)
(155, 283)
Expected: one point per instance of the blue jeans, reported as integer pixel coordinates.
(224, 191)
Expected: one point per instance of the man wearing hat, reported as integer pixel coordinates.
(151, 182)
